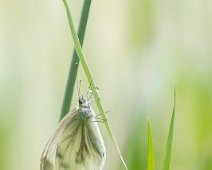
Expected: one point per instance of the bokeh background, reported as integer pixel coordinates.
(136, 49)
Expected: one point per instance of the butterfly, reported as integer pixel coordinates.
(77, 143)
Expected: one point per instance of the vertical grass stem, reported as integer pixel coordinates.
(75, 61)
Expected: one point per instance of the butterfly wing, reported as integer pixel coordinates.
(95, 143)
(81, 147)
(49, 153)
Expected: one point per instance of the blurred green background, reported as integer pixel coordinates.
(135, 49)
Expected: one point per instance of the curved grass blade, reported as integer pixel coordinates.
(166, 165)
(90, 78)
(151, 157)
(75, 61)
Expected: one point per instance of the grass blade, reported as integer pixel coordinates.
(151, 157)
(90, 78)
(75, 61)
(166, 165)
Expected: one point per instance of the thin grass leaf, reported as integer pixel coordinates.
(166, 165)
(75, 61)
(90, 78)
(151, 157)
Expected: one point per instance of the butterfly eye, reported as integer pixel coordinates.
(80, 101)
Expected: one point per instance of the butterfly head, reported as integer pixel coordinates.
(83, 103)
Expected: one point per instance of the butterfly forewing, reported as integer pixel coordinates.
(49, 153)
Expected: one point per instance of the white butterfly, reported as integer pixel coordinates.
(77, 143)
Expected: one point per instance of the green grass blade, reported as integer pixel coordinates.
(75, 61)
(167, 160)
(151, 157)
(90, 78)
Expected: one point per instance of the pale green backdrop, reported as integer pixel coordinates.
(135, 49)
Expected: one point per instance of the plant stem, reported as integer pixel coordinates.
(90, 79)
(75, 61)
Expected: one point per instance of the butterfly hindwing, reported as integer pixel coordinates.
(80, 147)
(96, 145)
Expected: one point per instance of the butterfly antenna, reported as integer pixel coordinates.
(89, 90)
(79, 86)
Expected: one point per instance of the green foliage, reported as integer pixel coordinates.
(167, 160)
(151, 157)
